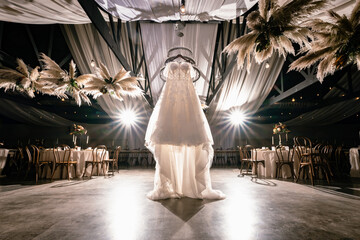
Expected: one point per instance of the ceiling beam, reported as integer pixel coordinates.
(93, 12)
(112, 39)
(307, 82)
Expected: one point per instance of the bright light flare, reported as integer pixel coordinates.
(128, 117)
(237, 118)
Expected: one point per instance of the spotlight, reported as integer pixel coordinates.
(182, 7)
(267, 65)
(128, 117)
(237, 118)
(92, 63)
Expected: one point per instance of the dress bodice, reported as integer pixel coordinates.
(179, 71)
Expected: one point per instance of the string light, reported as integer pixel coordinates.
(293, 99)
(92, 63)
(267, 65)
(182, 7)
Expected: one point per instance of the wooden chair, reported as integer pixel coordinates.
(248, 156)
(320, 161)
(284, 159)
(33, 155)
(304, 150)
(98, 155)
(113, 161)
(62, 156)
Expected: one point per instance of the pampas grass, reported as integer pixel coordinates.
(274, 28)
(53, 80)
(336, 44)
(118, 86)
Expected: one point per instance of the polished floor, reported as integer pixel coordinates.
(116, 208)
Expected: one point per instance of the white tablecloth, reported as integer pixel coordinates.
(270, 158)
(355, 162)
(79, 156)
(3, 156)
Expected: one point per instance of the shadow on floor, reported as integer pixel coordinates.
(185, 208)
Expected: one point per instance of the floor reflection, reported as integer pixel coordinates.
(184, 208)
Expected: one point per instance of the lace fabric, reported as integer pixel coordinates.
(180, 139)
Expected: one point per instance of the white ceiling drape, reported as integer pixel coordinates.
(159, 38)
(246, 91)
(42, 12)
(169, 10)
(86, 44)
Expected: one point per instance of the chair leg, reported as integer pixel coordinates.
(103, 165)
(53, 173)
(68, 171)
(36, 174)
(311, 175)
(297, 179)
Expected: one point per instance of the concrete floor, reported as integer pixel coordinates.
(116, 208)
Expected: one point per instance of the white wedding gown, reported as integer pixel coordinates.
(180, 139)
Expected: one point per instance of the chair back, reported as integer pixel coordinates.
(33, 154)
(99, 153)
(284, 155)
(303, 146)
(246, 151)
(62, 153)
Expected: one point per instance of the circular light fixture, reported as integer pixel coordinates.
(267, 65)
(237, 118)
(128, 117)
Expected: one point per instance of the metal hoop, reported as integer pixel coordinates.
(179, 48)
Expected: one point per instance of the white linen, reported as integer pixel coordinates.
(270, 158)
(179, 137)
(354, 162)
(3, 156)
(79, 156)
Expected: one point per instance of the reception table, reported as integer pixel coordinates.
(270, 157)
(355, 162)
(3, 156)
(80, 156)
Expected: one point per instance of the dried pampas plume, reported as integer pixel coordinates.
(118, 86)
(274, 28)
(336, 44)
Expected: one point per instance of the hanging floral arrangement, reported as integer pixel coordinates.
(274, 28)
(336, 44)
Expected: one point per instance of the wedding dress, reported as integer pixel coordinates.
(180, 139)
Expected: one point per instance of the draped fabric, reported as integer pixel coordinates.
(70, 11)
(30, 115)
(199, 38)
(86, 44)
(168, 10)
(335, 112)
(246, 91)
(42, 12)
